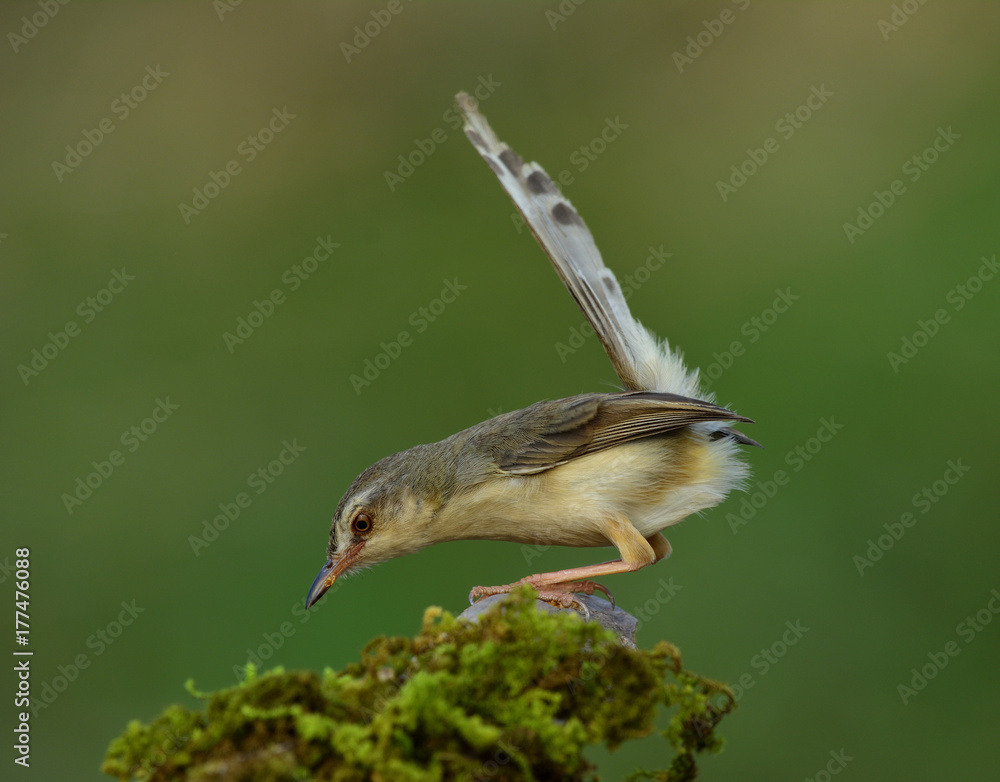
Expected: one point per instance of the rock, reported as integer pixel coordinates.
(612, 618)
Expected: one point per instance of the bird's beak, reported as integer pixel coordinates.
(329, 572)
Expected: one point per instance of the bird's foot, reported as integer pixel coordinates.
(560, 594)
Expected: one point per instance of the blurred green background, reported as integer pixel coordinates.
(551, 77)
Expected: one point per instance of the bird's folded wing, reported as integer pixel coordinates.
(568, 429)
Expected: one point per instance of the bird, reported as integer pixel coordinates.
(593, 470)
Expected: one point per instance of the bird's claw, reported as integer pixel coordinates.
(554, 594)
(478, 593)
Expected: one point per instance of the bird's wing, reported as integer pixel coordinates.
(567, 241)
(570, 428)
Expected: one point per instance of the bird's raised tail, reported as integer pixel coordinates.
(643, 362)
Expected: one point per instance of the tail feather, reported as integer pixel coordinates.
(642, 362)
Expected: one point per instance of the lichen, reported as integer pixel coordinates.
(517, 696)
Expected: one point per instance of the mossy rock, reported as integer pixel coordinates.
(517, 696)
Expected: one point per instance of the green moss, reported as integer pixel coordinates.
(518, 696)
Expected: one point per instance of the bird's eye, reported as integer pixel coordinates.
(361, 524)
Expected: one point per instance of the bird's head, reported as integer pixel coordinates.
(387, 512)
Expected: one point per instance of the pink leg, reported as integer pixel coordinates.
(557, 587)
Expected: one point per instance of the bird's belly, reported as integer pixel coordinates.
(653, 483)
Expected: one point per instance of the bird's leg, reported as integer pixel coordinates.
(558, 587)
(560, 593)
